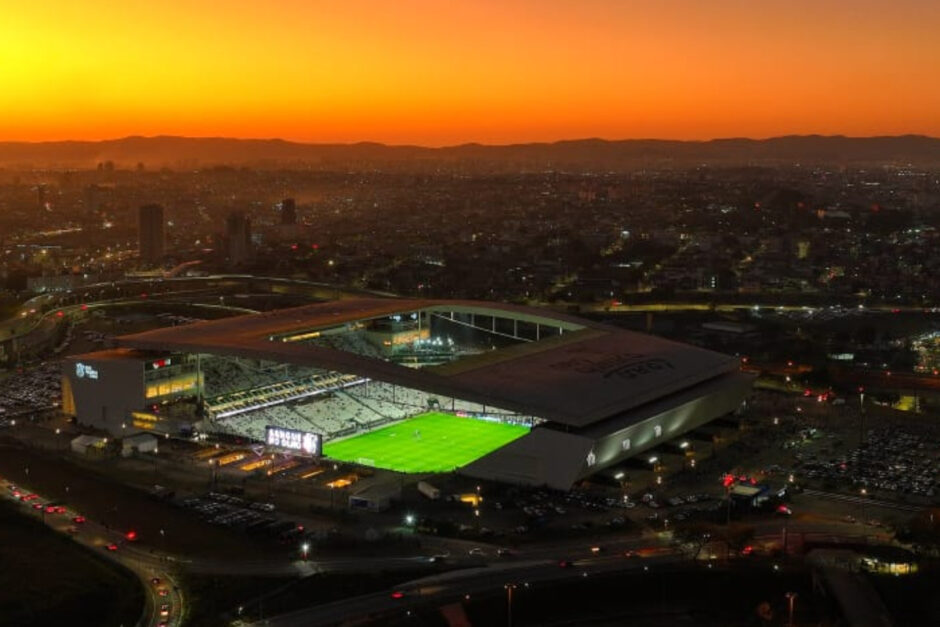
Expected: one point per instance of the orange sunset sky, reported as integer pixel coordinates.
(439, 72)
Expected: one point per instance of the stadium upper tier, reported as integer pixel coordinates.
(566, 370)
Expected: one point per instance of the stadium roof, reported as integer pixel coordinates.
(585, 374)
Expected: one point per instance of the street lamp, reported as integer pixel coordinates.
(409, 519)
(861, 415)
(305, 549)
(791, 599)
(509, 588)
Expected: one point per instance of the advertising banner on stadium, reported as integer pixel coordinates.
(294, 440)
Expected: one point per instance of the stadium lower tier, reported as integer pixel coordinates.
(432, 442)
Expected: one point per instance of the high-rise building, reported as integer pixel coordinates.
(150, 233)
(288, 211)
(238, 246)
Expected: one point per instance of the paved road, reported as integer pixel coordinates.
(456, 585)
(863, 500)
(484, 572)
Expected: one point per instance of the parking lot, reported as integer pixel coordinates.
(893, 463)
(232, 511)
(26, 391)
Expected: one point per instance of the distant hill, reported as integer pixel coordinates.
(577, 154)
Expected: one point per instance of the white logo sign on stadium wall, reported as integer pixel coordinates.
(85, 371)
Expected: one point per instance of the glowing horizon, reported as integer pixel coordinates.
(422, 72)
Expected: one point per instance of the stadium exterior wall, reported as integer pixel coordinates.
(556, 459)
(104, 391)
(689, 414)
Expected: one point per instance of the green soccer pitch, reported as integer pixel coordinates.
(432, 442)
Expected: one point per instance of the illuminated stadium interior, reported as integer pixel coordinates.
(243, 396)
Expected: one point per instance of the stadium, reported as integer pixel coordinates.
(493, 391)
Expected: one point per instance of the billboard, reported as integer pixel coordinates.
(293, 439)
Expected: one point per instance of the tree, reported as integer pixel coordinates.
(923, 530)
(696, 533)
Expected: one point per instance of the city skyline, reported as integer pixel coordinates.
(494, 73)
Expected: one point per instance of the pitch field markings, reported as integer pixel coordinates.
(433, 442)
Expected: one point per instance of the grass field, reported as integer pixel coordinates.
(48, 579)
(432, 442)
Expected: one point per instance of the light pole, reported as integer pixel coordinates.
(304, 550)
(791, 599)
(509, 588)
(861, 415)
